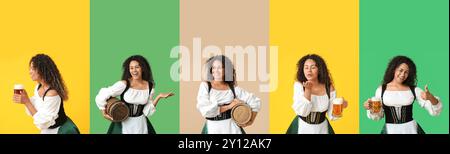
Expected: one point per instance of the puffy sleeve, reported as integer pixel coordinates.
(207, 106)
(301, 106)
(249, 98)
(330, 106)
(105, 93)
(376, 116)
(33, 99)
(433, 110)
(47, 112)
(149, 108)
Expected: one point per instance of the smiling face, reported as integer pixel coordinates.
(135, 70)
(217, 70)
(34, 75)
(401, 73)
(310, 69)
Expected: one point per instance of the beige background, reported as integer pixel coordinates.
(222, 23)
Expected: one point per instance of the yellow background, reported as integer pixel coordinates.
(57, 28)
(328, 28)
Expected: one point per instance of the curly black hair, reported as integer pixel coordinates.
(49, 73)
(324, 76)
(143, 63)
(396, 62)
(227, 65)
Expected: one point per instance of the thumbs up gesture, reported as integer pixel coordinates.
(426, 95)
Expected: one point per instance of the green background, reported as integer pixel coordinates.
(120, 29)
(414, 28)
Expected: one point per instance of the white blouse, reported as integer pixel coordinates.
(404, 98)
(208, 102)
(304, 107)
(132, 96)
(47, 111)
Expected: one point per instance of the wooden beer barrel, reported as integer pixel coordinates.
(117, 109)
(241, 113)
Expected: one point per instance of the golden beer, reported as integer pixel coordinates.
(376, 104)
(338, 107)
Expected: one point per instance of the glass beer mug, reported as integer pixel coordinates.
(338, 107)
(375, 104)
(18, 89)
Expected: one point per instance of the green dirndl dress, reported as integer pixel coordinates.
(68, 127)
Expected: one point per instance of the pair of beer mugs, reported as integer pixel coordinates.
(374, 104)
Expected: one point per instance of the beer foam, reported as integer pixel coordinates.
(375, 99)
(18, 86)
(338, 101)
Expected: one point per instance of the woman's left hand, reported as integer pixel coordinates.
(234, 103)
(166, 95)
(426, 95)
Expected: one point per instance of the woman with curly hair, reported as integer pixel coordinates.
(313, 96)
(46, 106)
(397, 93)
(137, 91)
(219, 94)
